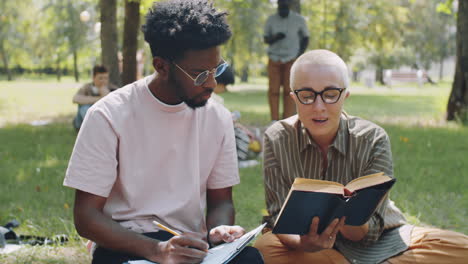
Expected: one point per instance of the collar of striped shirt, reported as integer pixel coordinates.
(340, 142)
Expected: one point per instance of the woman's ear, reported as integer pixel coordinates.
(162, 67)
(293, 96)
(347, 93)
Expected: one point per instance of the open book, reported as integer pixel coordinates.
(222, 253)
(328, 200)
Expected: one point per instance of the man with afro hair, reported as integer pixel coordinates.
(160, 149)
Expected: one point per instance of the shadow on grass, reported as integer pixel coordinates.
(33, 160)
(431, 170)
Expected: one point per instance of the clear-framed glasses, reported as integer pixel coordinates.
(308, 96)
(202, 77)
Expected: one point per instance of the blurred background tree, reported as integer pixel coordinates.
(109, 39)
(457, 107)
(14, 22)
(66, 37)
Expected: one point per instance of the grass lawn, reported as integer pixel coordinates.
(429, 156)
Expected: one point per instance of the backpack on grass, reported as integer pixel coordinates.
(8, 236)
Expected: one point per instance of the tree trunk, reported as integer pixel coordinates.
(59, 71)
(5, 64)
(245, 74)
(457, 107)
(109, 39)
(379, 74)
(295, 5)
(441, 69)
(130, 41)
(75, 66)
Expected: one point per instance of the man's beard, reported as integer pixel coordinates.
(191, 102)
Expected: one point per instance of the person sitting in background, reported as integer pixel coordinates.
(223, 80)
(90, 93)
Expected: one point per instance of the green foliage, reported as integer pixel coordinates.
(445, 7)
(49, 32)
(246, 51)
(384, 26)
(14, 25)
(380, 33)
(346, 35)
(145, 5)
(429, 42)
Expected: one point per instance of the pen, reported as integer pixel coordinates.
(165, 228)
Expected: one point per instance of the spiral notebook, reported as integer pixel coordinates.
(222, 253)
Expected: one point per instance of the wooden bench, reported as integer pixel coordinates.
(390, 76)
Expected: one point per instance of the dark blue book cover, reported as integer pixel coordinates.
(302, 205)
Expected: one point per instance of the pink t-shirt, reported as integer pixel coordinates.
(152, 160)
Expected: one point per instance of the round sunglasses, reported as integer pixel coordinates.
(203, 76)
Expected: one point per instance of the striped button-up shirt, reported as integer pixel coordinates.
(359, 148)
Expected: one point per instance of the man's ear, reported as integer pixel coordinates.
(162, 67)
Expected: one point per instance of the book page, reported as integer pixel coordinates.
(225, 252)
(312, 185)
(367, 181)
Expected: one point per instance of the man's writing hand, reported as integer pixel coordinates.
(313, 242)
(186, 248)
(224, 233)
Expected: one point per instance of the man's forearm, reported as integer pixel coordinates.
(222, 213)
(109, 234)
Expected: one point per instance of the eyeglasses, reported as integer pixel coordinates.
(202, 77)
(308, 96)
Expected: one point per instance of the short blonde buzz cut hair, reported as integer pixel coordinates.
(321, 57)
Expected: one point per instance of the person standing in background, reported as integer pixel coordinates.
(287, 35)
